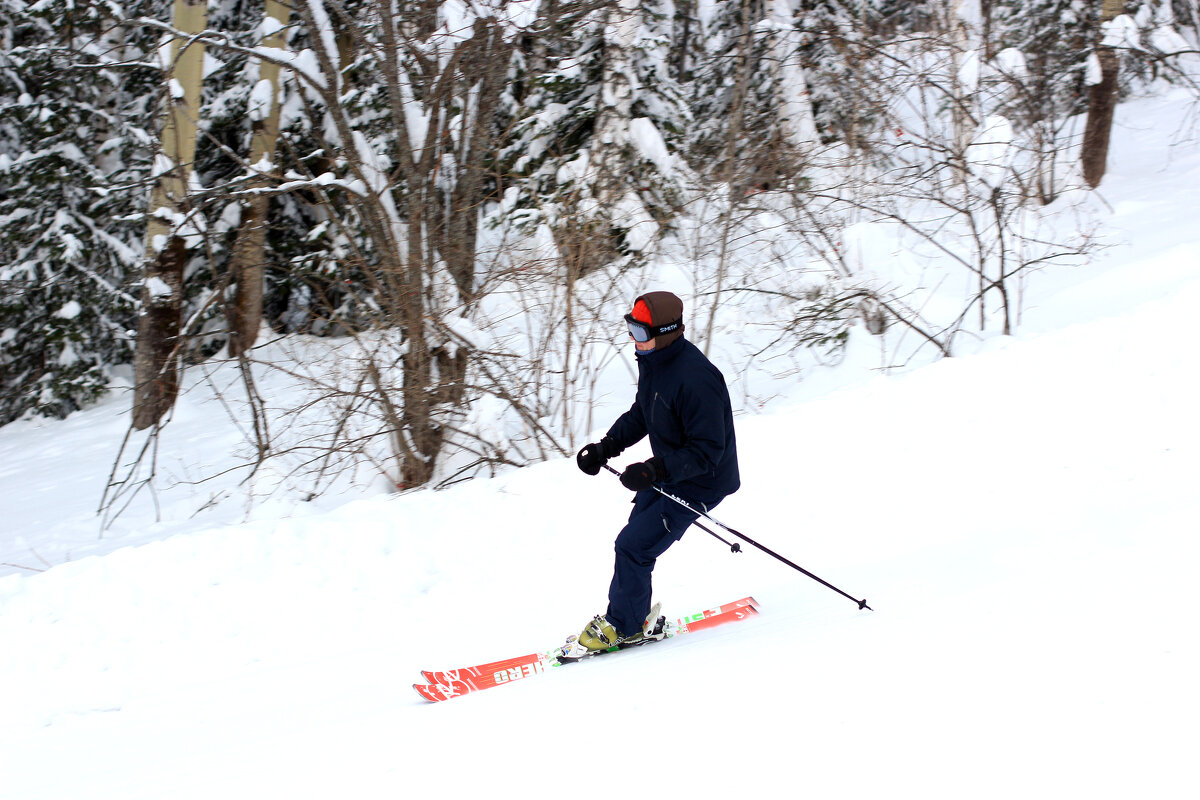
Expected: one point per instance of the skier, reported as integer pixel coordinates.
(683, 405)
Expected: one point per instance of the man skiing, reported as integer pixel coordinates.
(683, 405)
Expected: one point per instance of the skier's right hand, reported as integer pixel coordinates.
(592, 458)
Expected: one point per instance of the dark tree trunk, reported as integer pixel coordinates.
(244, 311)
(247, 262)
(1102, 101)
(156, 365)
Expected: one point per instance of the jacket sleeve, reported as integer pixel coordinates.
(629, 429)
(701, 408)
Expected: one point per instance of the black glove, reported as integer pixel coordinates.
(592, 458)
(644, 474)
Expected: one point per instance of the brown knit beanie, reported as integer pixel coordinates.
(664, 309)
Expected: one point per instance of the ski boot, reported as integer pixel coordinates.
(599, 636)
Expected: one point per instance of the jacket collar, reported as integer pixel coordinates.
(661, 356)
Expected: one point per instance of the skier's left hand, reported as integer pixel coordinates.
(644, 474)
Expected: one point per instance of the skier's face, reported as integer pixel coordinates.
(642, 347)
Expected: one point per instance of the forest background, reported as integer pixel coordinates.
(432, 215)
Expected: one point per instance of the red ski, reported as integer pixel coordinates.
(454, 683)
(508, 668)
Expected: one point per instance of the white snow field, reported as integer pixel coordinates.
(1024, 520)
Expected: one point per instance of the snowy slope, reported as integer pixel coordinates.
(1023, 521)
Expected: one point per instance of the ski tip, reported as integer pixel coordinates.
(436, 692)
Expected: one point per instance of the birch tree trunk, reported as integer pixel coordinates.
(156, 363)
(1102, 102)
(244, 310)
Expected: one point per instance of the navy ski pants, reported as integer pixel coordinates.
(655, 524)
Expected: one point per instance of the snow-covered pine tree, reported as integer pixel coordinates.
(1046, 80)
(687, 41)
(720, 90)
(902, 17)
(75, 95)
(1055, 38)
(593, 150)
(753, 112)
(840, 40)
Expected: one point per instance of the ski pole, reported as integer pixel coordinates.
(734, 547)
(861, 603)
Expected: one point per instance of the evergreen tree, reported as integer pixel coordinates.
(840, 41)
(725, 130)
(72, 154)
(1054, 36)
(750, 97)
(596, 130)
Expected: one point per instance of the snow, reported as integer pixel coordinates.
(261, 101)
(416, 120)
(989, 153)
(211, 64)
(304, 63)
(1023, 520)
(326, 36)
(1093, 72)
(630, 214)
(269, 27)
(1121, 32)
(647, 141)
(520, 14)
(158, 288)
(69, 310)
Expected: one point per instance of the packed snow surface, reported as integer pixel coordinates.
(1024, 520)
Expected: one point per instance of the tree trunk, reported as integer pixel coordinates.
(420, 439)
(244, 311)
(156, 363)
(156, 371)
(1102, 102)
(484, 68)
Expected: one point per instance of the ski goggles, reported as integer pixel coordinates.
(641, 332)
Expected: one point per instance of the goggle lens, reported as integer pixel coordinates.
(640, 331)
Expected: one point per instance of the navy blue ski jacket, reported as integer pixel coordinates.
(683, 405)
